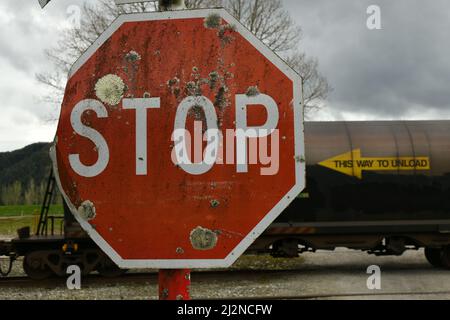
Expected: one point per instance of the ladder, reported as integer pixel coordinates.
(42, 228)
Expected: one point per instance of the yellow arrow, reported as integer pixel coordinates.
(353, 164)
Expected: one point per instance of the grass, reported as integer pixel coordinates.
(19, 216)
(28, 210)
(9, 226)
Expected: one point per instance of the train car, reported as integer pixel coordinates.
(382, 187)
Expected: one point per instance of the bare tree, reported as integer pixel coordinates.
(74, 41)
(267, 19)
(315, 86)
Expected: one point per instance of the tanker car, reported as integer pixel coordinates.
(380, 187)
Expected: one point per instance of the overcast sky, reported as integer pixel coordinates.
(399, 72)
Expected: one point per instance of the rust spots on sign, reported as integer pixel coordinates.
(203, 239)
(213, 21)
(224, 31)
(214, 203)
(174, 87)
(214, 77)
(86, 210)
(197, 113)
(252, 91)
(132, 56)
(225, 34)
(193, 88)
(300, 159)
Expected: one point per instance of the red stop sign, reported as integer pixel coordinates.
(180, 139)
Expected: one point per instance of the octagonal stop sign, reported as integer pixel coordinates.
(180, 139)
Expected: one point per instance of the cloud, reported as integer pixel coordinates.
(25, 32)
(400, 71)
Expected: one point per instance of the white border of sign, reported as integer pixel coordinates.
(299, 145)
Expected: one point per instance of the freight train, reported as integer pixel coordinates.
(381, 186)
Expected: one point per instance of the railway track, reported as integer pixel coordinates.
(338, 275)
(129, 277)
(351, 295)
(151, 279)
(24, 282)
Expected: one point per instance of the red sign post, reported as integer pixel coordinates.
(180, 140)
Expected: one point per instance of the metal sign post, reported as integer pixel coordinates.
(174, 284)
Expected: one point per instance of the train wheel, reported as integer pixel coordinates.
(35, 267)
(433, 256)
(445, 257)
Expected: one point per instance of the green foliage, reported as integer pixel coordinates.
(23, 174)
(12, 194)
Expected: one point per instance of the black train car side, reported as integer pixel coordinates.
(383, 187)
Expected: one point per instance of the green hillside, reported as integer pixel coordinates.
(23, 174)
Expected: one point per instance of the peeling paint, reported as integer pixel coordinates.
(203, 239)
(197, 112)
(133, 56)
(253, 91)
(173, 81)
(215, 203)
(87, 210)
(110, 89)
(213, 79)
(165, 293)
(223, 33)
(300, 159)
(220, 99)
(147, 95)
(193, 88)
(213, 21)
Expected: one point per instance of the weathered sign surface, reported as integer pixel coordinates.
(180, 139)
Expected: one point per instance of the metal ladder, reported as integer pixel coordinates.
(42, 228)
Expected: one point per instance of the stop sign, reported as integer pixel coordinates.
(180, 139)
